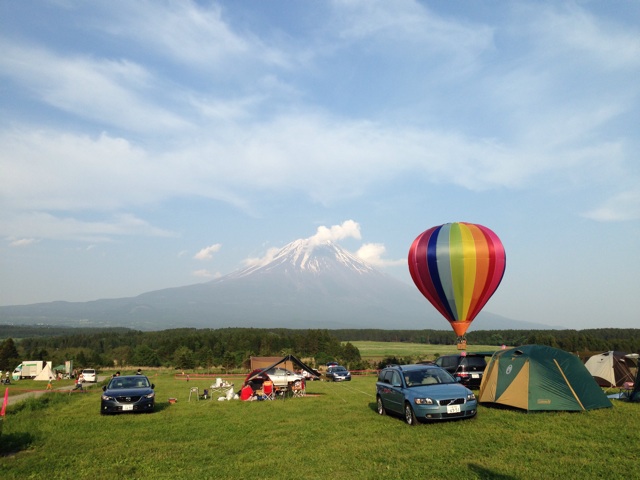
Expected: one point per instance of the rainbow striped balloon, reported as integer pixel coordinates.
(457, 266)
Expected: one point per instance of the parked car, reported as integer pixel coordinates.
(281, 376)
(310, 377)
(90, 375)
(278, 375)
(423, 393)
(338, 374)
(468, 368)
(128, 393)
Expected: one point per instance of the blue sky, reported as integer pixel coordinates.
(154, 144)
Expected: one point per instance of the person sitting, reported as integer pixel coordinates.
(246, 394)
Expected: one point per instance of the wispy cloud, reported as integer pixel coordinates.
(205, 274)
(45, 225)
(621, 207)
(207, 252)
(21, 242)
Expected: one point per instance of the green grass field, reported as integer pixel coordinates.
(332, 433)
(379, 350)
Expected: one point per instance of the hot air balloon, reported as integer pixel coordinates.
(457, 266)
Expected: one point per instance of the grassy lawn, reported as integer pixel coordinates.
(379, 350)
(334, 433)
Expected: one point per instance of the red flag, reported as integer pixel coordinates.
(6, 400)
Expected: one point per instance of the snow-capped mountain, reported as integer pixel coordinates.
(304, 285)
(305, 256)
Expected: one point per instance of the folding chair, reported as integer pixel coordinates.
(267, 390)
(196, 391)
(299, 388)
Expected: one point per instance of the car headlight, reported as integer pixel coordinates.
(151, 395)
(107, 398)
(471, 396)
(423, 401)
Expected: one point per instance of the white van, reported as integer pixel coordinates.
(90, 375)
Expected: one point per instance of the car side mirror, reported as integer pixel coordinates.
(104, 388)
(153, 386)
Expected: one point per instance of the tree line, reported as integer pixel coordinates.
(232, 348)
(187, 348)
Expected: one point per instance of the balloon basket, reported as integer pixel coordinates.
(462, 345)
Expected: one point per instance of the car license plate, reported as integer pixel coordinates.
(130, 407)
(475, 375)
(453, 408)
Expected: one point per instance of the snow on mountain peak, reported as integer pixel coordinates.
(309, 255)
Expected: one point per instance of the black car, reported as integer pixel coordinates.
(468, 368)
(128, 393)
(338, 374)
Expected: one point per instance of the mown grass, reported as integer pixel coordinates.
(370, 350)
(334, 433)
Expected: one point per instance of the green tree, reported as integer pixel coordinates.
(146, 356)
(9, 356)
(184, 359)
(350, 354)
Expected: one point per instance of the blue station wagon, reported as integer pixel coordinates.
(422, 393)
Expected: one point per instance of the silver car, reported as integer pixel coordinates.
(282, 377)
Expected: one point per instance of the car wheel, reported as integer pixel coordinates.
(381, 410)
(409, 416)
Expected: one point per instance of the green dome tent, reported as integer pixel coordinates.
(536, 377)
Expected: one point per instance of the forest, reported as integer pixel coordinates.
(230, 349)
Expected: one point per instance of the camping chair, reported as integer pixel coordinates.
(267, 390)
(196, 391)
(299, 388)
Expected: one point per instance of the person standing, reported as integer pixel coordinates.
(79, 382)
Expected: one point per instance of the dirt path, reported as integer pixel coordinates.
(13, 399)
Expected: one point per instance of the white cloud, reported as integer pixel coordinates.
(204, 274)
(260, 261)
(569, 30)
(622, 207)
(190, 34)
(207, 252)
(22, 242)
(410, 23)
(45, 225)
(372, 254)
(102, 90)
(348, 229)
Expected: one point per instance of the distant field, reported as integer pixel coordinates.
(380, 350)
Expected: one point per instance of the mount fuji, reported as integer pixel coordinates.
(304, 285)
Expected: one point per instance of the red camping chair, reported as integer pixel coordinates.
(267, 389)
(299, 388)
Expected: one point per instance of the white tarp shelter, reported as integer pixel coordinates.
(46, 374)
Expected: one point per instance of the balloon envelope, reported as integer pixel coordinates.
(457, 267)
